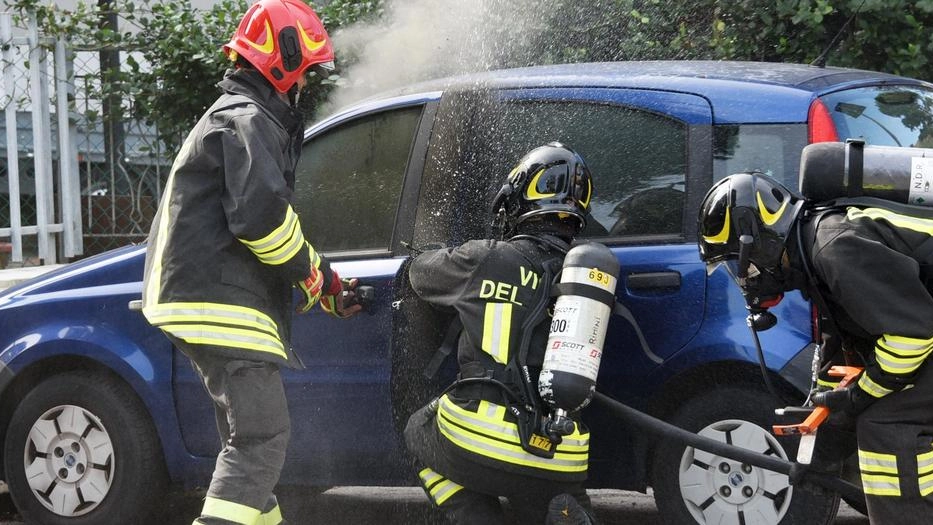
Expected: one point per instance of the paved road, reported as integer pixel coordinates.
(408, 506)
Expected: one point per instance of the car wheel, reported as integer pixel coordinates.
(695, 486)
(81, 450)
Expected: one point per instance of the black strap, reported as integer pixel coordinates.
(855, 153)
(590, 292)
(446, 348)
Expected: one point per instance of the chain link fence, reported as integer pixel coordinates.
(121, 165)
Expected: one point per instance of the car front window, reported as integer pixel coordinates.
(637, 159)
(349, 181)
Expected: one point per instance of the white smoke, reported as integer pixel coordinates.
(418, 40)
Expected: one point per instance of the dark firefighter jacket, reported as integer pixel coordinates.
(867, 260)
(226, 246)
(493, 286)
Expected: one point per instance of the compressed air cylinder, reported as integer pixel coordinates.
(578, 328)
(830, 170)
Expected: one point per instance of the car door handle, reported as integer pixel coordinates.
(653, 280)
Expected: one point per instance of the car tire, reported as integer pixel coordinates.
(81, 450)
(694, 486)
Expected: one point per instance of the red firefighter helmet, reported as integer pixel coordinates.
(282, 39)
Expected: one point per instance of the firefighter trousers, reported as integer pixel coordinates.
(895, 452)
(252, 419)
(467, 493)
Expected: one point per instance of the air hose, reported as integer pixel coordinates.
(795, 471)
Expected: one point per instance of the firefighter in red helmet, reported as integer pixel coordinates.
(226, 250)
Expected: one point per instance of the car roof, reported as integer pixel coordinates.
(699, 73)
(738, 92)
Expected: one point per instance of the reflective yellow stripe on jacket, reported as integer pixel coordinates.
(217, 324)
(901, 355)
(282, 243)
(487, 433)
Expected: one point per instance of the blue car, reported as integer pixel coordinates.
(98, 412)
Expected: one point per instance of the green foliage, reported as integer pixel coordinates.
(175, 57)
(171, 52)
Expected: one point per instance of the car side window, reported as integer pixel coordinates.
(637, 159)
(773, 149)
(349, 180)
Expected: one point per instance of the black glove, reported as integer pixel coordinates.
(851, 400)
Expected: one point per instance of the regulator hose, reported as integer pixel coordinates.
(795, 471)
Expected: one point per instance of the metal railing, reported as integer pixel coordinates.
(73, 187)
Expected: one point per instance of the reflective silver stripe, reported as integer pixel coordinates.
(873, 389)
(925, 473)
(209, 313)
(926, 485)
(282, 244)
(877, 462)
(444, 490)
(429, 477)
(497, 327)
(225, 336)
(507, 453)
(925, 462)
(493, 424)
(904, 345)
(438, 487)
(229, 511)
(493, 447)
(895, 365)
(901, 355)
(278, 236)
(881, 485)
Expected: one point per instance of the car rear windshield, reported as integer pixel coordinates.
(884, 115)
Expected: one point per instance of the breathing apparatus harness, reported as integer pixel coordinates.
(515, 381)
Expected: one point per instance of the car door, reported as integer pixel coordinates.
(349, 186)
(650, 155)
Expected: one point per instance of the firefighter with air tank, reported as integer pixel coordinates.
(861, 248)
(509, 426)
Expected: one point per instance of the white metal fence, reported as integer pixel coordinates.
(69, 185)
(54, 195)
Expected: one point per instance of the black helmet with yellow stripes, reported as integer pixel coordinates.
(550, 180)
(745, 221)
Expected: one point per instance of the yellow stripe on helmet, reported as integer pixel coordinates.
(269, 46)
(532, 192)
(766, 216)
(723, 236)
(310, 43)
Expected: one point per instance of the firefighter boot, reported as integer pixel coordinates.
(565, 510)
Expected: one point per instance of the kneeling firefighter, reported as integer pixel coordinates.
(491, 433)
(862, 260)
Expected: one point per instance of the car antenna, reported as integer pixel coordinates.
(820, 61)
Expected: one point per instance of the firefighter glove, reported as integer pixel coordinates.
(311, 290)
(851, 400)
(340, 299)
